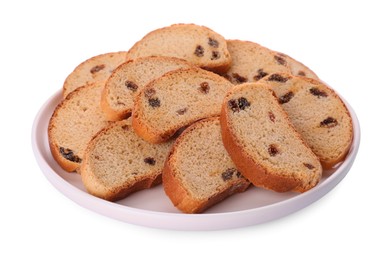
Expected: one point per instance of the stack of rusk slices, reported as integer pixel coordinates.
(204, 116)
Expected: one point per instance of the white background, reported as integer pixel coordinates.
(345, 42)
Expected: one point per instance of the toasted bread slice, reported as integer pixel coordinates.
(262, 142)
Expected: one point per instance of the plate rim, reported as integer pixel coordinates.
(182, 221)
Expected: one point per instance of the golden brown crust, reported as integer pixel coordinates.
(247, 166)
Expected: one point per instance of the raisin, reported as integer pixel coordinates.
(277, 77)
(181, 111)
(150, 160)
(301, 73)
(204, 87)
(149, 92)
(329, 122)
(97, 68)
(154, 102)
(286, 97)
(215, 55)
(260, 74)
(243, 103)
(280, 60)
(228, 77)
(134, 173)
(213, 43)
(228, 174)
(238, 78)
(318, 93)
(309, 166)
(273, 150)
(233, 105)
(69, 155)
(271, 116)
(238, 174)
(199, 51)
(126, 127)
(131, 85)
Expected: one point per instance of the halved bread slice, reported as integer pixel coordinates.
(117, 162)
(94, 69)
(263, 144)
(199, 172)
(176, 100)
(129, 78)
(317, 113)
(197, 44)
(73, 123)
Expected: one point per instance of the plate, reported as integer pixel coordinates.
(153, 208)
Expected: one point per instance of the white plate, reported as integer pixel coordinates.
(152, 208)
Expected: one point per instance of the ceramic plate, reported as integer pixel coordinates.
(152, 208)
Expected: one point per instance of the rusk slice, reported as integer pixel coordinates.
(251, 62)
(117, 162)
(94, 69)
(74, 122)
(199, 172)
(317, 113)
(263, 144)
(196, 44)
(129, 78)
(176, 100)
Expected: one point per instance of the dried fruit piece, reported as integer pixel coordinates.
(301, 73)
(204, 87)
(271, 116)
(286, 97)
(126, 127)
(131, 85)
(273, 150)
(309, 166)
(150, 160)
(277, 77)
(154, 102)
(233, 105)
(199, 51)
(213, 43)
(228, 174)
(280, 60)
(243, 103)
(329, 122)
(238, 78)
(318, 93)
(69, 155)
(97, 68)
(260, 74)
(181, 111)
(215, 55)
